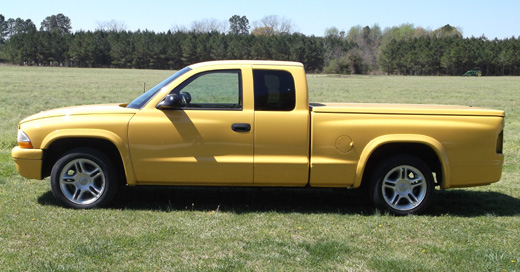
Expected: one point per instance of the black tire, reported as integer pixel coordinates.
(402, 185)
(84, 178)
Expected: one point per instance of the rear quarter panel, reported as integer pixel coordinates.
(341, 143)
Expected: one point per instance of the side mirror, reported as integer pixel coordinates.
(171, 101)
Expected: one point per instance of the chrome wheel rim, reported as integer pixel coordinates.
(82, 181)
(404, 188)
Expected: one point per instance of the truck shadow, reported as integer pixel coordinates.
(467, 203)
(463, 203)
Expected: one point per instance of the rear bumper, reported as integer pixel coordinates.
(476, 174)
(28, 162)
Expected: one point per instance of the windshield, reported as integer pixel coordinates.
(144, 98)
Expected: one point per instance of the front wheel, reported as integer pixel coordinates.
(84, 178)
(402, 185)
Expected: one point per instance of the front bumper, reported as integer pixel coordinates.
(28, 162)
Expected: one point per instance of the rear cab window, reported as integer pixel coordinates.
(274, 90)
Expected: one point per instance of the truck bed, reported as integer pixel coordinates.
(415, 109)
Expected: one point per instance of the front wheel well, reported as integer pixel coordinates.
(59, 147)
(419, 150)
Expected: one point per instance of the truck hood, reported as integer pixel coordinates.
(413, 109)
(82, 110)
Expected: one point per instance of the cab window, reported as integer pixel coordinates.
(220, 89)
(274, 90)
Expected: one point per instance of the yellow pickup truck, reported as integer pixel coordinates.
(249, 123)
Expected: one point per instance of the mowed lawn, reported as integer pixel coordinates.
(223, 229)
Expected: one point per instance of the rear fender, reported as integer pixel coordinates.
(373, 145)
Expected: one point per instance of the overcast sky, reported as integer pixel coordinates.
(492, 18)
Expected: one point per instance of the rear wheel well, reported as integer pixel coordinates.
(59, 147)
(421, 151)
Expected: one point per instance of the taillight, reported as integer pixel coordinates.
(500, 142)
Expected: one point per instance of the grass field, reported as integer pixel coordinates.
(220, 229)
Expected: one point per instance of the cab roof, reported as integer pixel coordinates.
(246, 62)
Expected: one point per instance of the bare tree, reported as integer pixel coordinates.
(112, 25)
(275, 24)
(209, 25)
(179, 28)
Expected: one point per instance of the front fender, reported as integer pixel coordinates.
(373, 145)
(120, 144)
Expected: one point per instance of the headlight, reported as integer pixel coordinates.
(23, 140)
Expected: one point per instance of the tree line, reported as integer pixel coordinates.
(409, 50)
(451, 56)
(149, 50)
(405, 49)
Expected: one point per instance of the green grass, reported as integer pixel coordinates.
(223, 229)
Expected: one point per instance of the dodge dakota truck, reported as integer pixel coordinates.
(249, 123)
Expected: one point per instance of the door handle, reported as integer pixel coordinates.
(241, 127)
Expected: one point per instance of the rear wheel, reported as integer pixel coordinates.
(84, 178)
(401, 185)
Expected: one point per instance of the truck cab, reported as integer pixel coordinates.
(239, 124)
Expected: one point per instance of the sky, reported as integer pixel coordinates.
(492, 18)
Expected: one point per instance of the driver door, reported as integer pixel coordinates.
(207, 140)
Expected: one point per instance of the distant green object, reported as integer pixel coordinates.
(475, 72)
